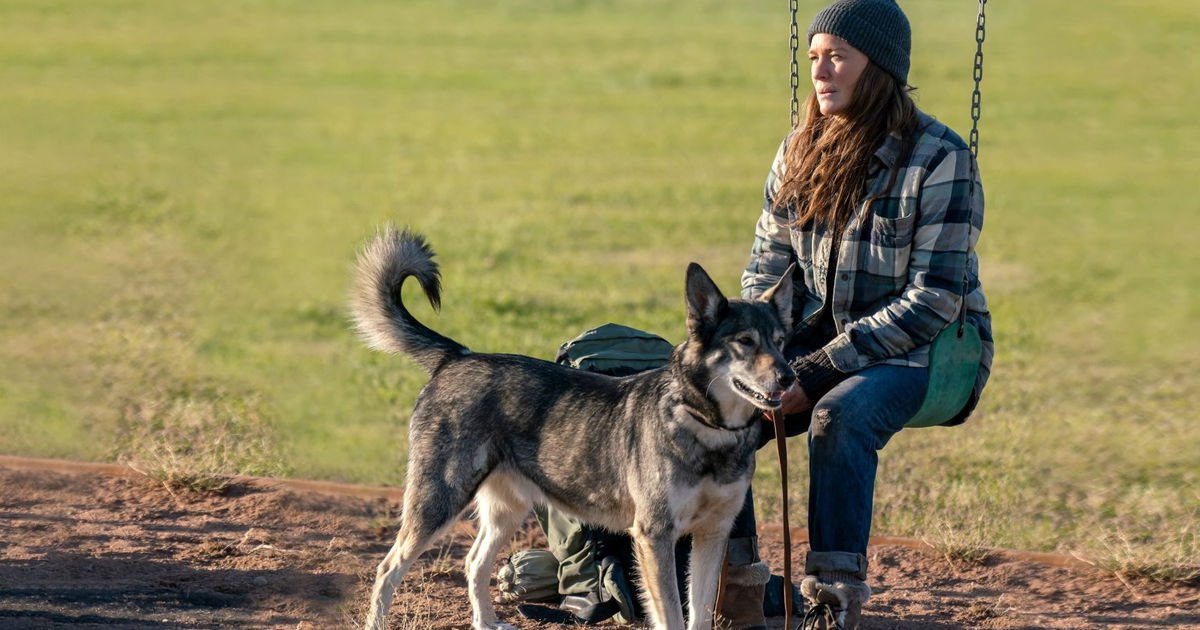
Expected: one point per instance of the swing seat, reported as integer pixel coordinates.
(954, 359)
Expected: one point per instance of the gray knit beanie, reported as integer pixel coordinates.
(878, 28)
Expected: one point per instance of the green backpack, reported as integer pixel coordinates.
(615, 350)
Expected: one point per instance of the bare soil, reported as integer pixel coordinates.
(83, 548)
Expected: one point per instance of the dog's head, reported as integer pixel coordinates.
(737, 345)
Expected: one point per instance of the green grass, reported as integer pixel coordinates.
(184, 186)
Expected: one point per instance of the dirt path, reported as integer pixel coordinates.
(84, 546)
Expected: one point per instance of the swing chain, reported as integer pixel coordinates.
(980, 33)
(973, 143)
(795, 46)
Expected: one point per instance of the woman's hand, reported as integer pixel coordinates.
(795, 401)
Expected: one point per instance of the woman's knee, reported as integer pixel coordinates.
(839, 420)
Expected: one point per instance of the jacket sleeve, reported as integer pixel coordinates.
(772, 251)
(947, 222)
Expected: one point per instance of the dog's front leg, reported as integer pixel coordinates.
(708, 552)
(655, 549)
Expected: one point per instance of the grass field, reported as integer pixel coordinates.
(183, 186)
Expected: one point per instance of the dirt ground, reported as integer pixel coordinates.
(83, 547)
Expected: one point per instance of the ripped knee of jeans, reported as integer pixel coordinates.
(824, 418)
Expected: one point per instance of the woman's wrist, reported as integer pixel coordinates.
(816, 374)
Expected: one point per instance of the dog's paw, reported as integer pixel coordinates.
(492, 625)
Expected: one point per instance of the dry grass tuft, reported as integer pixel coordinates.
(959, 545)
(197, 437)
(1165, 557)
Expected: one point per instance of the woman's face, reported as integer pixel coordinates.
(836, 66)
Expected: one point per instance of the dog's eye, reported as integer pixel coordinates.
(745, 340)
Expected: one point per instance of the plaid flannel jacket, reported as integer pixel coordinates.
(901, 258)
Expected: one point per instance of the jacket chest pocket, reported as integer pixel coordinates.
(889, 247)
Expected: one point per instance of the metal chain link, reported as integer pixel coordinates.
(795, 46)
(973, 143)
(980, 33)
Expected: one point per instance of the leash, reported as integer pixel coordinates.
(781, 446)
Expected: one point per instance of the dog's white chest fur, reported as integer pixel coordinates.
(706, 502)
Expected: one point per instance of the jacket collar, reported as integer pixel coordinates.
(888, 153)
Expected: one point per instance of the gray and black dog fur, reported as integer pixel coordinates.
(660, 454)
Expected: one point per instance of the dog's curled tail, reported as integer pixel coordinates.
(382, 321)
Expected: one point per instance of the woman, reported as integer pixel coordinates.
(871, 199)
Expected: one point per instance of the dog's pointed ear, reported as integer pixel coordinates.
(705, 304)
(780, 296)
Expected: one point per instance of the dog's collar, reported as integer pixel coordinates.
(702, 419)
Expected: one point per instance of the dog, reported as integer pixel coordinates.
(659, 454)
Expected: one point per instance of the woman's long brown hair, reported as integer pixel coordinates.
(826, 159)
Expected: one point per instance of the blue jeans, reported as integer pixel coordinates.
(846, 428)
